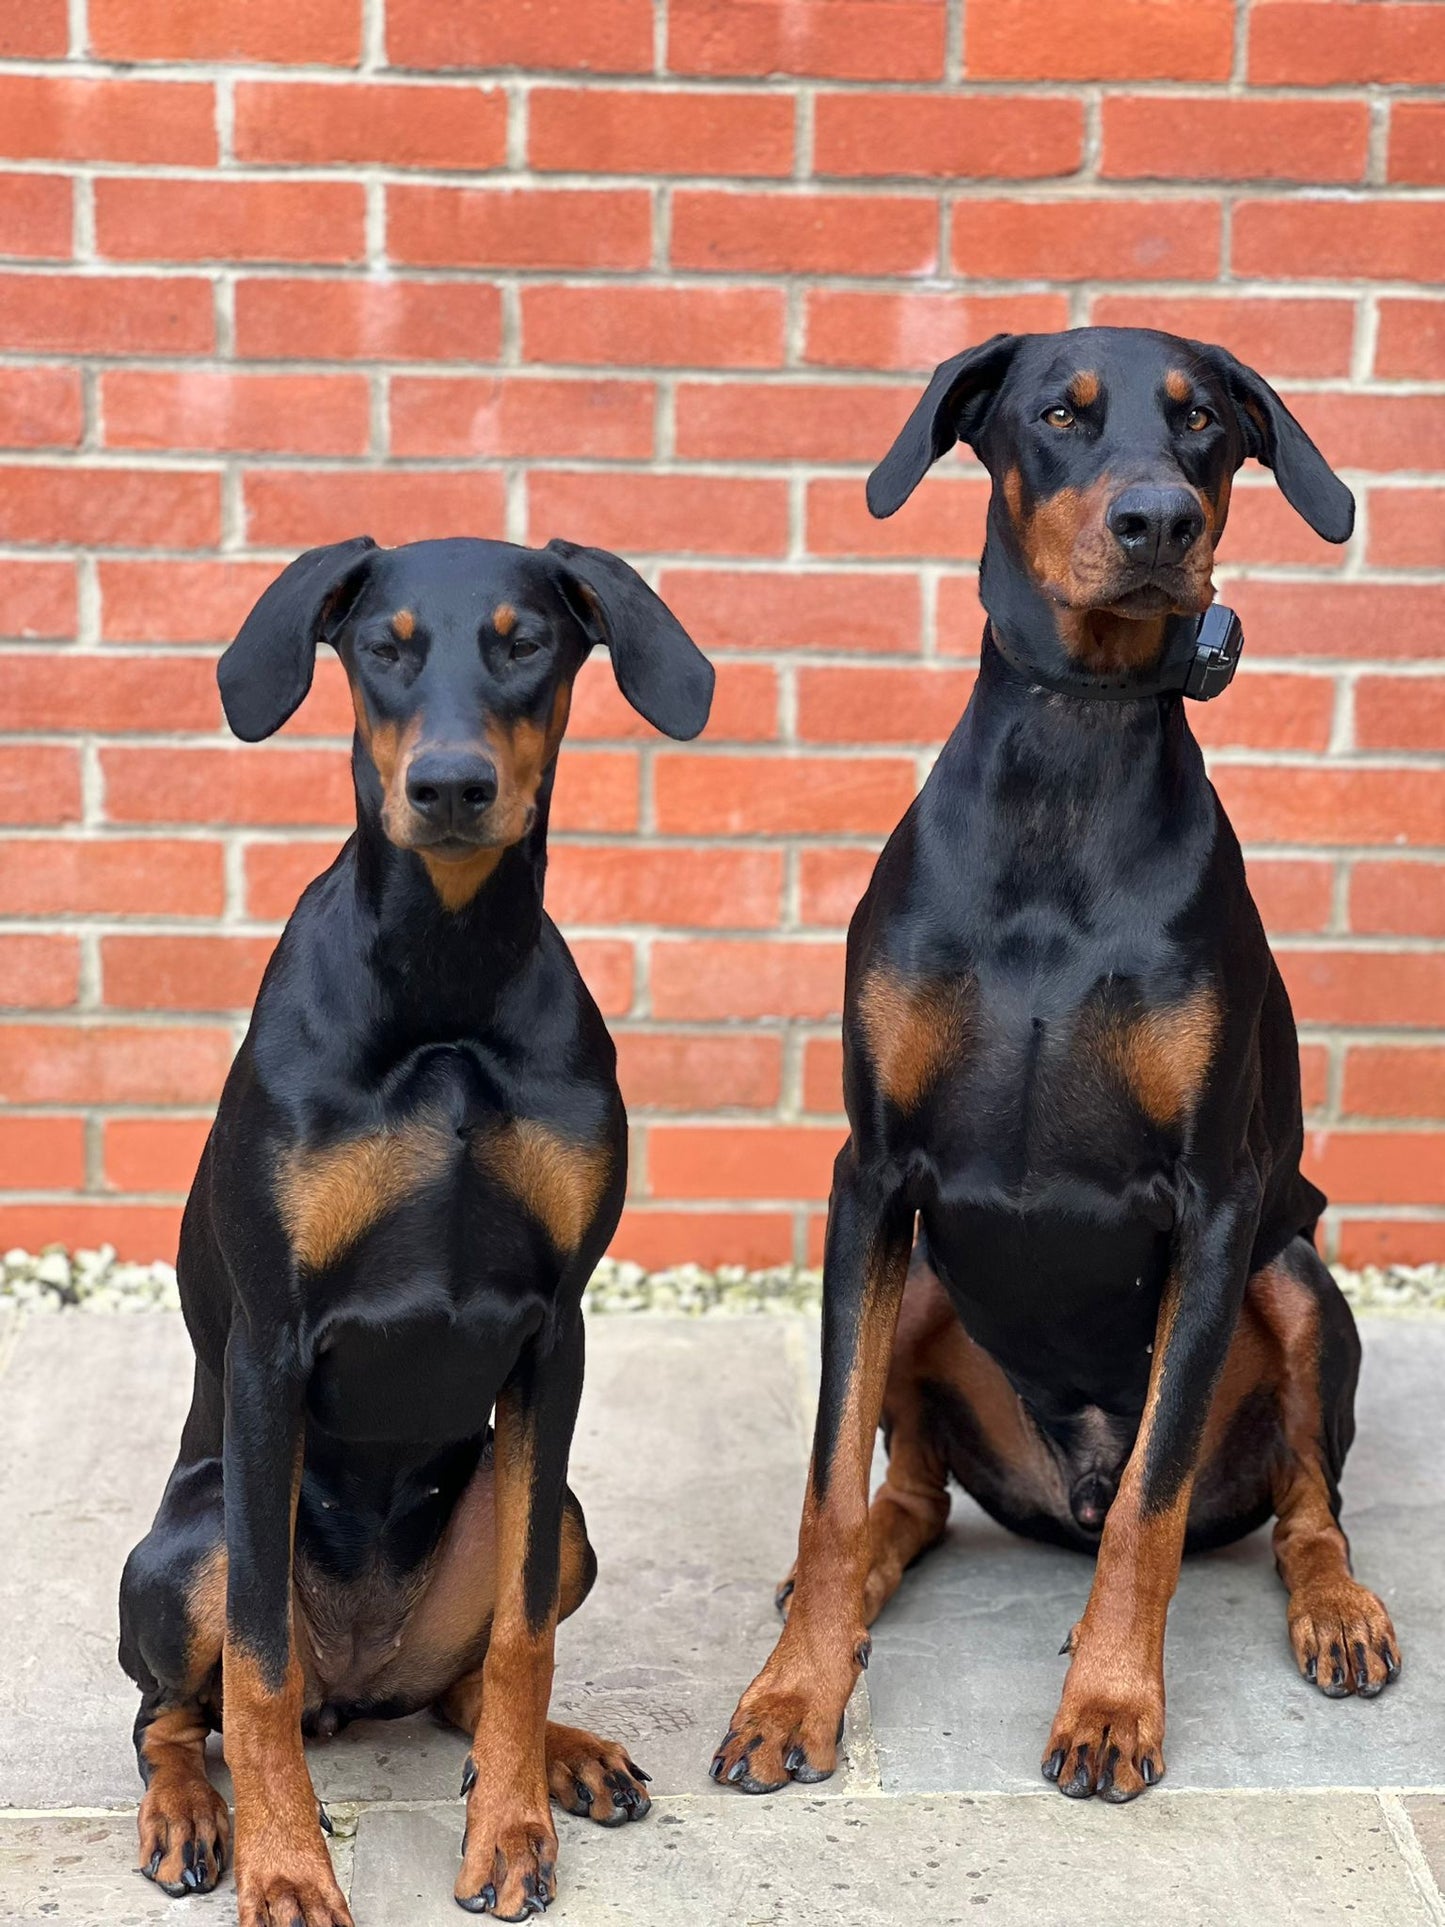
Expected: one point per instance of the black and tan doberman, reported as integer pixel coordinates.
(1070, 1061)
(419, 1157)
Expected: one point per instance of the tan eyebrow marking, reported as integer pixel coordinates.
(1084, 388)
(1177, 385)
(504, 618)
(403, 625)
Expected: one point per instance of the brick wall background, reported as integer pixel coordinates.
(665, 275)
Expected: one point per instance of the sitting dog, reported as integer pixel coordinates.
(1069, 1054)
(419, 1156)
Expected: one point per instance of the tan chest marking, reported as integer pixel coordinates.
(914, 1030)
(1162, 1057)
(558, 1180)
(330, 1197)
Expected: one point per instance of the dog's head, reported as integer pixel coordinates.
(461, 656)
(1112, 452)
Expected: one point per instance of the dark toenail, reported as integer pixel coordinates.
(1054, 1764)
(1148, 1772)
(324, 1819)
(714, 1772)
(469, 1777)
(1339, 1676)
(796, 1758)
(864, 1652)
(737, 1770)
(838, 1736)
(1312, 1670)
(1068, 1641)
(1392, 1665)
(637, 1773)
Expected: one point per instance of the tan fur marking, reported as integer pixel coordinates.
(403, 625)
(1177, 385)
(329, 1197)
(1013, 494)
(504, 618)
(1084, 388)
(1163, 1055)
(559, 1181)
(913, 1031)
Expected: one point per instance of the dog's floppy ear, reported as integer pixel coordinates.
(951, 409)
(1274, 437)
(267, 670)
(659, 668)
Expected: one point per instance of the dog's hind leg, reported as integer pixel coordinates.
(1342, 1636)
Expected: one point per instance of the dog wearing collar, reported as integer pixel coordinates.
(1070, 1257)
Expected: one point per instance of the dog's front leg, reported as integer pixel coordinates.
(509, 1853)
(283, 1871)
(788, 1723)
(1108, 1734)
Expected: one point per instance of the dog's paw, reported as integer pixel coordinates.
(1343, 1639)
(1109, 1743)
(594, 1778)
(509, 1858)
(185, 1834)
(295, 1886)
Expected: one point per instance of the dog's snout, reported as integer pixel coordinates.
(1156, 526)
(451, 788)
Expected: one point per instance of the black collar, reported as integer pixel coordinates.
(1203, 667)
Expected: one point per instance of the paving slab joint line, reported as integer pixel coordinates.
(1402, 1831)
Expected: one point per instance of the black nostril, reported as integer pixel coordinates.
(424, 795)
(451, 788)
(1154, 525)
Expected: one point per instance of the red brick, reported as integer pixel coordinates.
(1294, 895)
(1376, 1167)
(833, 39)
(813, 233)
(831, 884)
(277, 873)
(791, 610)
(522, 415)
(597, 789)
(1279, 334)
(39, 783)
(692, 1071)
(807, 421)
(823, 1075)
(1279, 804)
(1115, 240)
(519, 227)
(92, 314)
(959, 616)
(109, 507)
(37, 972)
(913, 329)
(1395, 1080)
(944, 519)
(1391, 1241)
(609, 968)
(169, 601)
(1098, 40)
(727, 795)
(204, 408)
(887, 705)
(706, 888)
(1264, 528)
(111, 877)
(1410, 343)
(387, 320)
(741, 1160)
(226, 220)
(1398, 899)
(143, 1232)
(1383, 432)
(1314, 1065)
(719, 978)
(658, 1239)
(947, 136)
(667, 327)
(40, 408)
(112, 1063)
(37, 599)
(319, 32)
(1324, 43)
(272, 783)
(1268, 712)
(1407, 528)
(33, 29)
(658, 513)
(1417, 142)
(60, 117)
(182, 973)
(152, 1154)
(1400, 240)
(294, 508)
(607, 36)
(1211, 138)
(90, 690)
(744, 706)
(1384, 621)
(317, 124)
(37, 219)
(42, 1153)
(632, 131)
(1336, 986)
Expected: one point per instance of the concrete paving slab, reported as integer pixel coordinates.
(965, 1677)
(1426, 1814)
(1190, 1860)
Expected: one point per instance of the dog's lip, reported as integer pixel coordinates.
(453, 849)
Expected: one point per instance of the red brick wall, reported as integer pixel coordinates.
(666, 277)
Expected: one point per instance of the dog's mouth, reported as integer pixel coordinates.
(1167, 592)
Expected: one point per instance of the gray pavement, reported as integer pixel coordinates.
(1279, 1806)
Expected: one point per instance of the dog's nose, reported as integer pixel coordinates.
(1156, 525)
(451, 788)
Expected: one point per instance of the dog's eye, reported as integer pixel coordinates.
(386, 652)
(522, 648)
(1197, 419)
(1058, 416)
